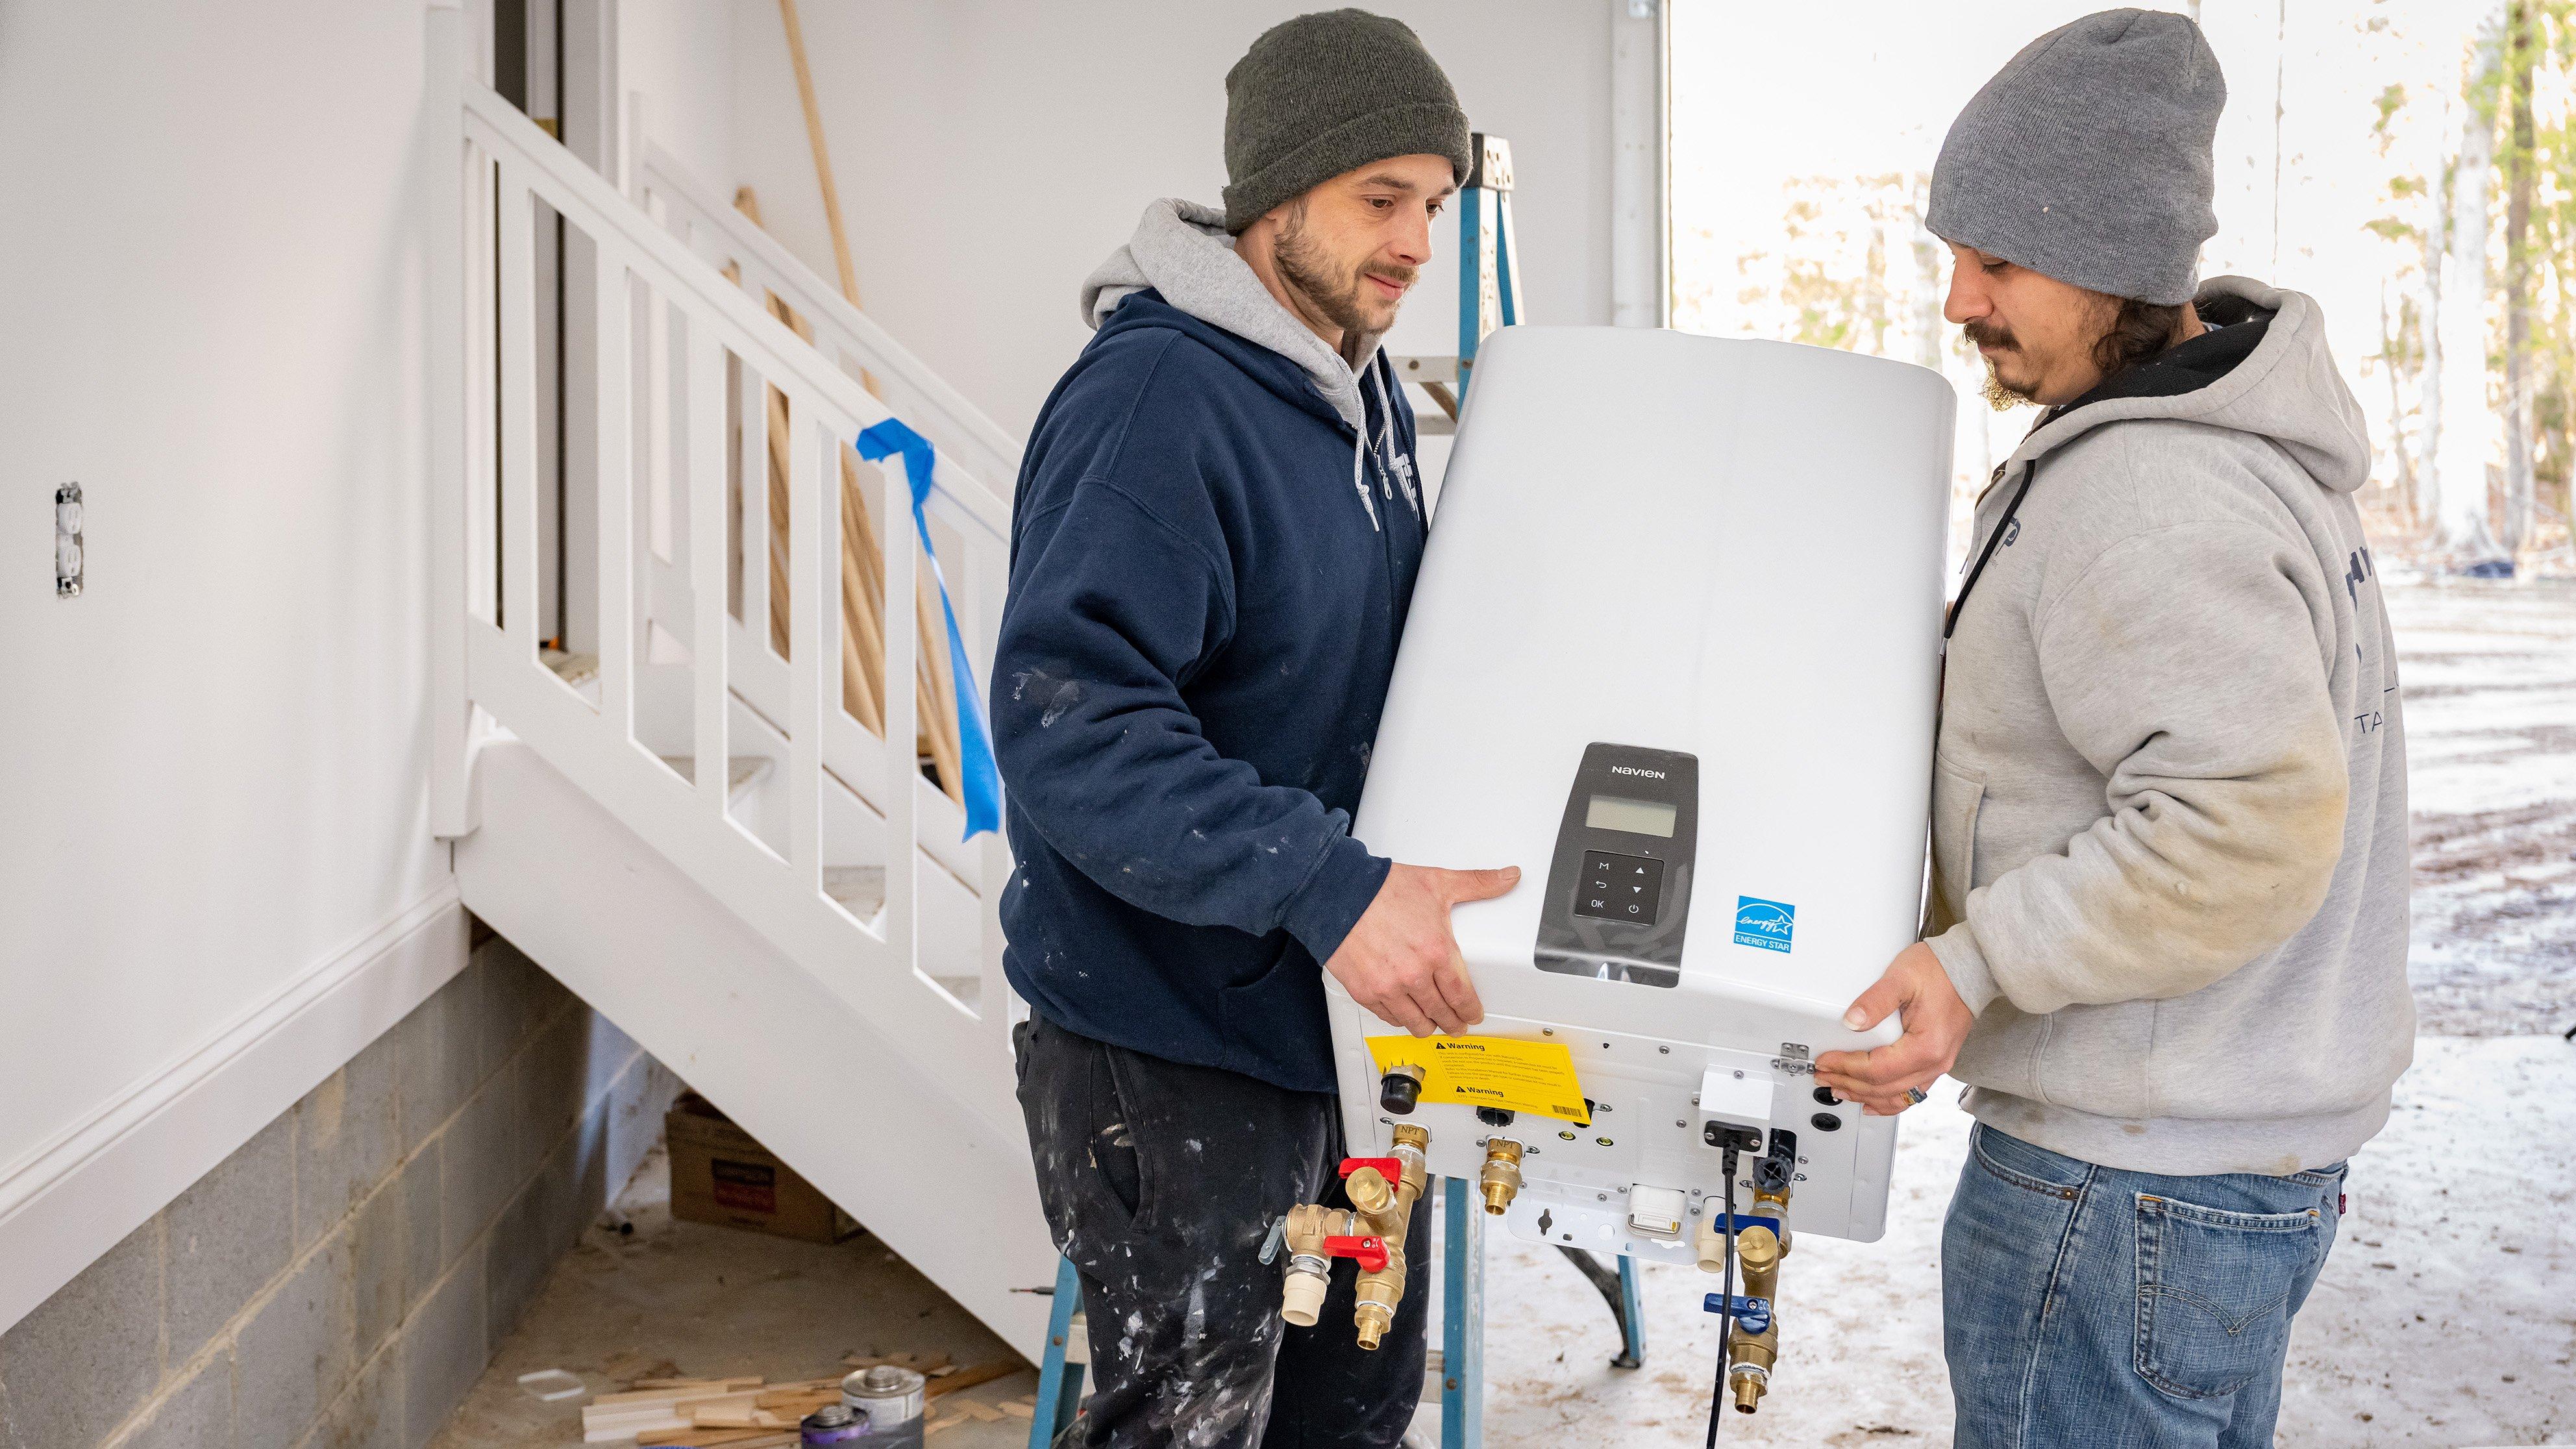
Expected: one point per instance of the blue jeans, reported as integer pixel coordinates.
(2084, 1305)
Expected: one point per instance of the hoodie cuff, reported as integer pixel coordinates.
(1334, 896)
(1966, 966)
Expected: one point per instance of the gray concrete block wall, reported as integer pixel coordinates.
(341, 1280)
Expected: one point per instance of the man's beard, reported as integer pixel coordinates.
(1338, 293)
(2002, 396)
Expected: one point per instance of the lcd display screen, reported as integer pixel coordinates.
(1637, 817)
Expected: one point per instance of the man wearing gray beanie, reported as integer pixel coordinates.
(1214, 543)
(2168, 928)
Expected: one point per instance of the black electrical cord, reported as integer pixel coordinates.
(1726, 1316)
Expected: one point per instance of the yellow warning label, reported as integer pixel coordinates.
(1490, 1071)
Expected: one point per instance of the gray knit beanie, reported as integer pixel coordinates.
(2087, 157)
(1327, 93)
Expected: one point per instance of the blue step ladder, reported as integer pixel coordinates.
(1489, 296)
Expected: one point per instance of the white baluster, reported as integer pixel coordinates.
(704, 380)
(613, 358)
(808, 593)
(752, 407)
(902, 721)
(518, 363)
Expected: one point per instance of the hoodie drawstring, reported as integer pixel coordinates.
(1359, 445)
(1386, 435)
(1362, 446)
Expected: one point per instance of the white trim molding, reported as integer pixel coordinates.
(1640, 163)
(70, 1199)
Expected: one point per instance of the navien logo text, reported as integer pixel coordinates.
(1630, 770)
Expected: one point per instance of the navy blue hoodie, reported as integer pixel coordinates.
(1202, 619)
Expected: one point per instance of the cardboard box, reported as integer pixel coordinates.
(720, 1175)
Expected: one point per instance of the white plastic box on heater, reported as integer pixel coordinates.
(1674, 653)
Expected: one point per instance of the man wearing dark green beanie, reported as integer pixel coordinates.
(1214, 543)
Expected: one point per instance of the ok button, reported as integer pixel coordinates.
(1627, 888)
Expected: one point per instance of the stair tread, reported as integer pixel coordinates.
(740, 770)
(573, 669)
(859, 888)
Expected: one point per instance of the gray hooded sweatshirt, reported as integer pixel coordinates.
(2169, 805)
(1182, 250)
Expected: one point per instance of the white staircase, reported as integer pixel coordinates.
(686, 828)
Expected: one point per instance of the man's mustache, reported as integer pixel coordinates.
(1986, 334)
(1401, 276)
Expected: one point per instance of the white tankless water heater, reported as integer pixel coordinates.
(1674, 653)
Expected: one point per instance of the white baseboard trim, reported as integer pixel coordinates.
(74, 1197)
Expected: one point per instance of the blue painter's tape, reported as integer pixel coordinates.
(1770, 925)
(983, 775)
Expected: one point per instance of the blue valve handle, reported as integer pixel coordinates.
(1752, 1314)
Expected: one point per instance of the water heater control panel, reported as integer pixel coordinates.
(1619, 880)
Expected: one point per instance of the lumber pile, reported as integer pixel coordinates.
(701, 1412)
(747, 1412)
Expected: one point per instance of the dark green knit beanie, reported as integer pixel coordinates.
(1327, 93)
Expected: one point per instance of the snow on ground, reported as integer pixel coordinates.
(2490, 677)
(2447, 1313)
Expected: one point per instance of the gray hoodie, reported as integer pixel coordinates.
(2169, 805)
(1182, 250)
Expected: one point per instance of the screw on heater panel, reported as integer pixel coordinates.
(69, 558)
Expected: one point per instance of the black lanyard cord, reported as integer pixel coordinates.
(1985, 555)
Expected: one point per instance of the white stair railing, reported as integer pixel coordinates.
(722, 236)
(920, 971)
(736, 247)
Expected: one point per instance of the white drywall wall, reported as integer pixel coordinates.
(677, 56)
(991, 152)
(212, 763)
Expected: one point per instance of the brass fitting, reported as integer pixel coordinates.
(1370, 1192)
(1388, 1210)
(1752, 1355)
(1751, 1374)
(1310, 1263)
(1757, 1252)
(1380, 1291)
(1411, 1142)
(1381, 1209)
(1500, 1179)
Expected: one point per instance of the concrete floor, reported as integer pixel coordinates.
(642, 1290)
(2446, 1315)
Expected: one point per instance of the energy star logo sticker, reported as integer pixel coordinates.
(1771, 925)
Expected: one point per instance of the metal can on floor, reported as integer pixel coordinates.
(832, 1424)
(890, 1399)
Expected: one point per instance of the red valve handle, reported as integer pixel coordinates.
(1390, 1168)
(1369, 1252)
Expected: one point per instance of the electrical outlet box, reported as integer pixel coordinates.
(70, 547)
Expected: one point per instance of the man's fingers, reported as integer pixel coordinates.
(1458, 990)
(1872, 1006)
(1908, 1057)
(1482, 885)
(1446, 1018)
(1884, 1070)
(1882, 1096)
(1421, 982)
(1397, 1006)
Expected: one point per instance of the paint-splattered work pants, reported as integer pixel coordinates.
(1160, 1181)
